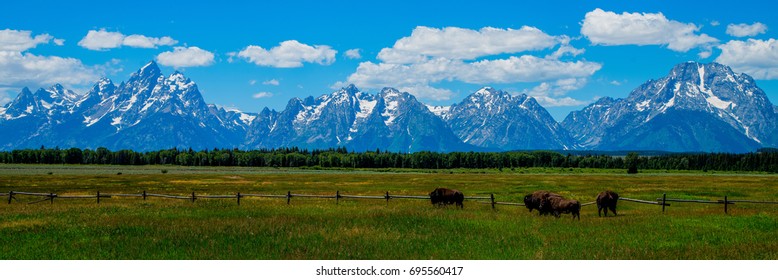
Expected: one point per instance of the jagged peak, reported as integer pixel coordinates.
(151, 69)
(351, 88)
(486, 91)
(25, 91)
(57, 88)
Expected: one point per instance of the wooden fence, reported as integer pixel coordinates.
(662, 201)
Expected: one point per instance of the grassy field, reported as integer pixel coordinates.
(261, 228)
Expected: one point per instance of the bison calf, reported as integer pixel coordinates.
(533, 200)
(607, 200)
(557, 205)
(442, 196)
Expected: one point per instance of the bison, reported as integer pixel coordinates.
(607, 200)
(442, 196)
(533, 200)
(557, 205)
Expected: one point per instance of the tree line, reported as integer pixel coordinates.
(765, 160)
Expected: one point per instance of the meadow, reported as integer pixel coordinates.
(308, 228)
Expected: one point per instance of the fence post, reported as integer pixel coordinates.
(387, 198)
(492, 197)
(51, 198)
(664, 197)
(725, 204)
(193, 197)
(288, 197)
(337, 197)
(98, 197)
(144, 194)
(238, 196)
(10, 196)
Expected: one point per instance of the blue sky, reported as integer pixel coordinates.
(254, 55)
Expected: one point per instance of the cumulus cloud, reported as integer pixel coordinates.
(263, 94)
(140, 41)
(565, 50)
(288, 54)
(746, 30)
(271, 82)
(99, 40)
(525, 68)
(353, 54)
(514, 69)
(22, 40)
(24, 69)
(462, 43)
(431, 55)
(552, 94)
(186, 57)
(611, 29)
(547, 101)
(757, 58)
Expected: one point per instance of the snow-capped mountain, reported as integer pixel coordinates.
(34, 115)
(496, 120)
(150, 111)
(389, 120)
(697, 107)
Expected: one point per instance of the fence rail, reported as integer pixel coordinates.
(662, 201)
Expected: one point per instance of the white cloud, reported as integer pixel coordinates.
(757, 58)
(461, 43)
(272, 82)
(705, 54)
(611, 29)
(565, 50)
(552, 94)
(525, 68)
(566, 101)
(186, 57)
(746, 30)
(24, 69)
(22, 40)
(615, 83)
(428, 92)
(4, 97)
(514, 69)
(432, 55)
(59, 42)
(288, 54)
(263, 94)
(252, 82)
(99, 40)
(715, 23)
(353, 54)
(140, 41)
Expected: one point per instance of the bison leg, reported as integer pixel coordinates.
(613, 209)
(599, 209)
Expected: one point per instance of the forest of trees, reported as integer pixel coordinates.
(764, 160)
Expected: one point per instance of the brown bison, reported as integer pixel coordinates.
(533, 200)
(607, 200)
(557, 205)
(441, 196)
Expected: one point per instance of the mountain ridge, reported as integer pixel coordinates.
(696, 107)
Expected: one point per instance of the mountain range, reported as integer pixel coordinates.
(696, 107)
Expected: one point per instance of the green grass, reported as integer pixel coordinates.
(131, 228)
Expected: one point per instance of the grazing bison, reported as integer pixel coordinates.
(557, 205)
(607, 200)
(533, 200)
(442, 196)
